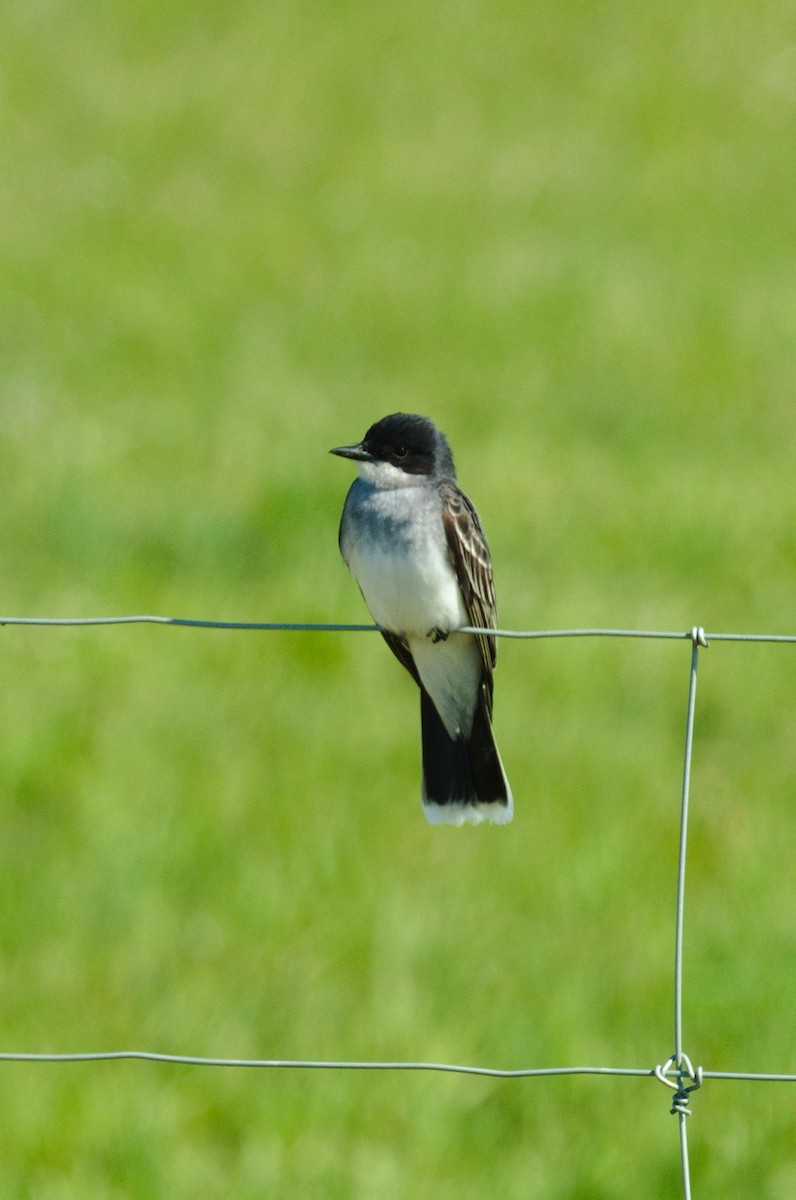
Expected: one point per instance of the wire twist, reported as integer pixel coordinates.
(683, 1071)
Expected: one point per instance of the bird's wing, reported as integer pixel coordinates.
(401, 650)
(473, 566)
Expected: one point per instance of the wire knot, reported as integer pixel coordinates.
(683, 1071)
(698, 637)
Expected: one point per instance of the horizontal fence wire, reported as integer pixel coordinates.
(325, 627)
(323, 1064)
(677, 1073)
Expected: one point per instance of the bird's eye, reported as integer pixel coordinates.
(401, 452)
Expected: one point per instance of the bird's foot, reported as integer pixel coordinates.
(438, 635)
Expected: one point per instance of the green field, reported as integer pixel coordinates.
(229, 240)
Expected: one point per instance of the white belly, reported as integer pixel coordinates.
(409, 594)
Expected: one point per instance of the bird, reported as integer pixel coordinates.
(414, 544)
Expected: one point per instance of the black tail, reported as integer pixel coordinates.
(463, 778)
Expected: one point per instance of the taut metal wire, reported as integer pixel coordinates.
(677, 1073)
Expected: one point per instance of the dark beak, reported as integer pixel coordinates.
(358, 453)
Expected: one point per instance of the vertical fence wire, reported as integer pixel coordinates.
(680, 1103)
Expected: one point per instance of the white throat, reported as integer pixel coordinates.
(384, 475)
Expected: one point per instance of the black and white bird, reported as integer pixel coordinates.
(414, 544)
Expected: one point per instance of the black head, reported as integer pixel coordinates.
(411, 443)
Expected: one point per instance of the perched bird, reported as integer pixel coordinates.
(414, 544)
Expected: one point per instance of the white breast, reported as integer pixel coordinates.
(402, 567)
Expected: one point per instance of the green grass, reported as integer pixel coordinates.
(228, 242)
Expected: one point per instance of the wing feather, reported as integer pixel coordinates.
(400, 649)
(473, 566)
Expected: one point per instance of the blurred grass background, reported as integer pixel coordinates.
(229, 240)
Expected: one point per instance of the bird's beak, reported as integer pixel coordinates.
(358, 453)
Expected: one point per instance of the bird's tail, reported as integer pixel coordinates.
(463, 778)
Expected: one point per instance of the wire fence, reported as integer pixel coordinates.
(676, 1073)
